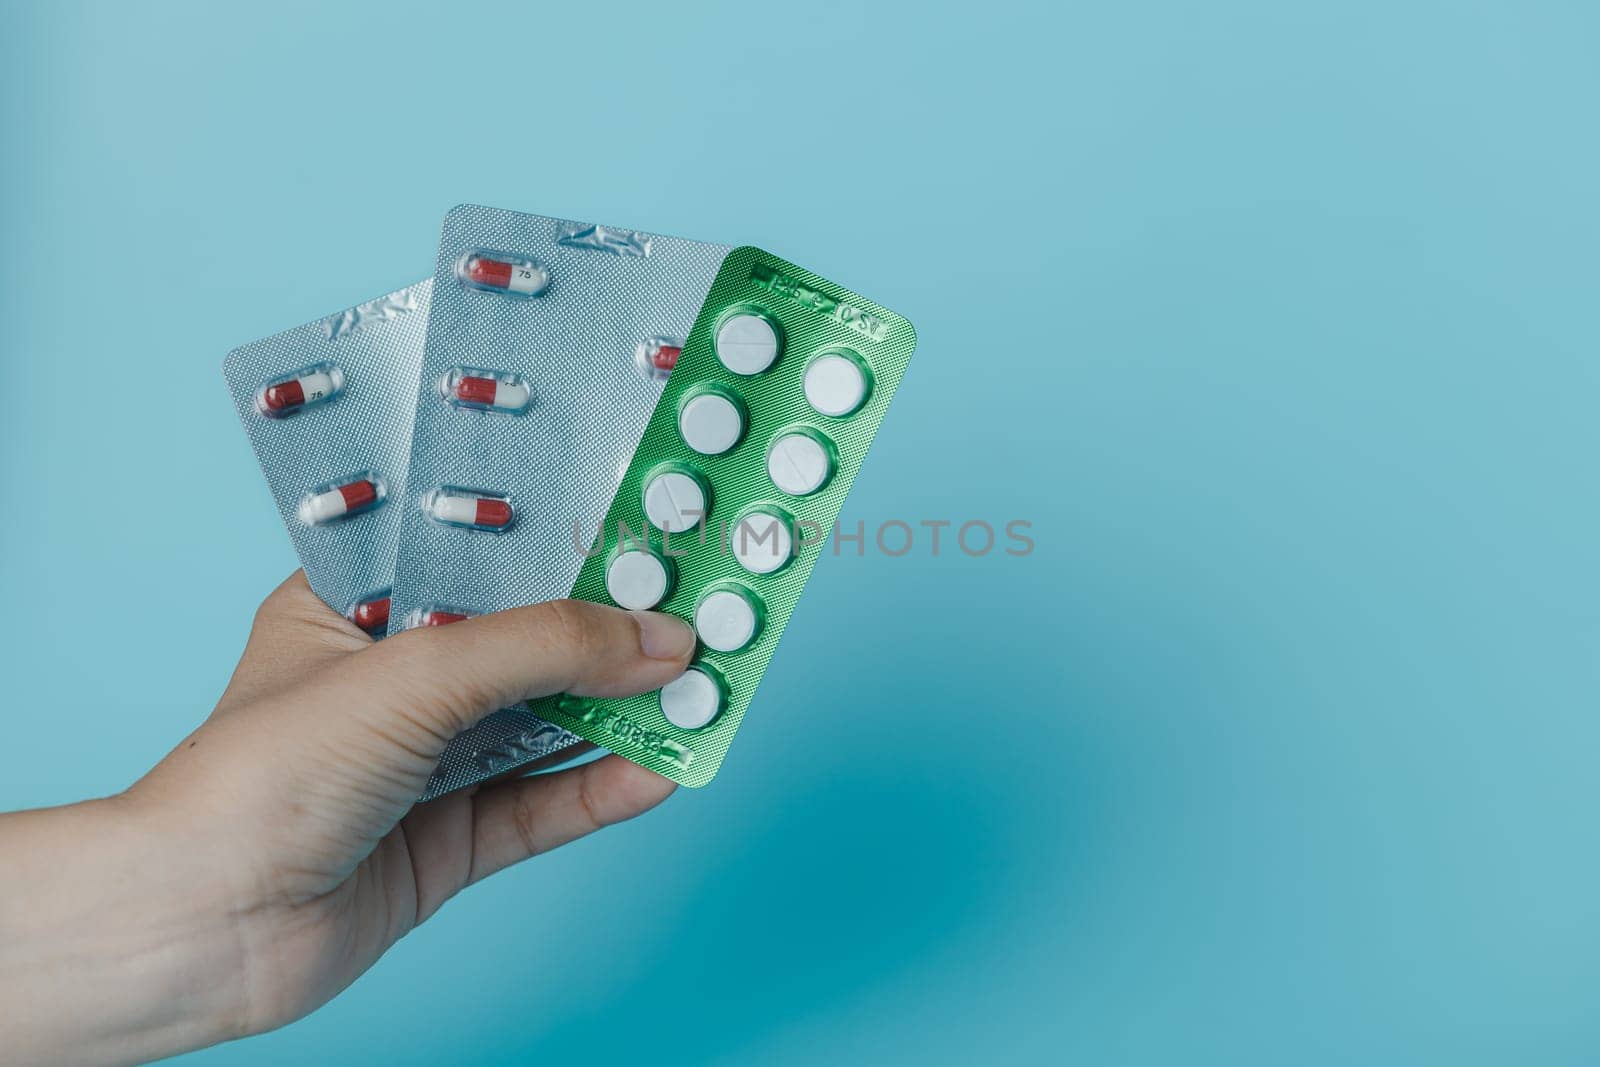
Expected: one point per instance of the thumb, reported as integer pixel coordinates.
(316, 773)
(396, 705)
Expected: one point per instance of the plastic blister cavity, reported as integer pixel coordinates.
(469, 509)
(711, 420)
(810, 369)
(837, 383)
(675, 498)
(800, 461)
(637, 578)
(728, 617)
(694, 699)
(477, 389)
(502, 272)
(747, 341)
(342, 498)
(371, 613)
(656, 356)
(364, 361)
(576, 365)
(762, 540)
(294, 392)
(436, 615)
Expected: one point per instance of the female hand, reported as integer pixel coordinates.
(279, 850)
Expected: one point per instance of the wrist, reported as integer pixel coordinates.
(110, 950)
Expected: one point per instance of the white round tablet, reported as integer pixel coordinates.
(747, 344)
(798, 464)
(710, 424)
(674, 502)
(636, 579)
(835, 385)
(761, 542)
(725, 621)
(691, 700)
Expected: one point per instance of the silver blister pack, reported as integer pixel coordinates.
(548, 343)
(327, 407)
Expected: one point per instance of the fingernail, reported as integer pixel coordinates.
(664, 636)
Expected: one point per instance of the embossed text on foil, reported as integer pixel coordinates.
(521, 748)
(619, 725)
(867, 325)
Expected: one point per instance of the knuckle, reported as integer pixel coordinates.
(269, 611)
(285, 597)
(588, 803)
(525, 822)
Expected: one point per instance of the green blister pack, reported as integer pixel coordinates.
(733, 490)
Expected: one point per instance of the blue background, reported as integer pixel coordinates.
(1277, 321)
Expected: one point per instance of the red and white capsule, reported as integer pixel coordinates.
(342, 499)
(487, 390)
(297, 391)
(372, 614)
(501, 272)
(469, 508)
(437, 615)
(657, 356)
